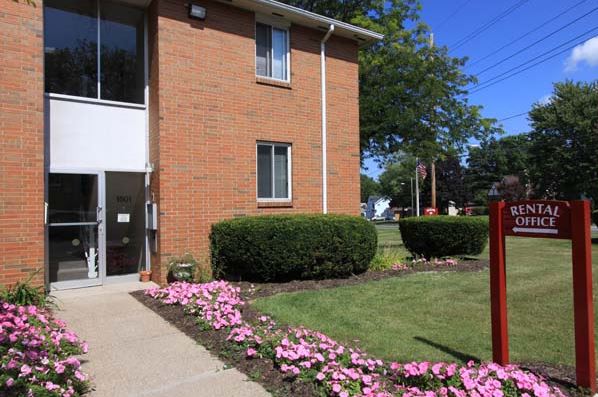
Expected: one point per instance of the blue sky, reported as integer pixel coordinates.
(451, 21)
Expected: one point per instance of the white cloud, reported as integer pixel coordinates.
(586, 52)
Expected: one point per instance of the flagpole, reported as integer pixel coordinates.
(411, 184)
(416, 189)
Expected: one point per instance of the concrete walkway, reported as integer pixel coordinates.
(134, 352)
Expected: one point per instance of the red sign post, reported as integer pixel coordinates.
(545, 219)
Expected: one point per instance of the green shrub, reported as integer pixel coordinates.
(22, 293)
(595, 217)
(440, 236)
(289, 247)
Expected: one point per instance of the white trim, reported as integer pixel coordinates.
(306, 18)
(84, 170)
(147, 178)
(272, 20)
(272, 145)
(96, 101)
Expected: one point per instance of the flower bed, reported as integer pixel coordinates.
(337, 370)
(422, 262)
(36, 354)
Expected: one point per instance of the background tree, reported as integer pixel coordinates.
(450, 185)
(395, 181)
(564, 142)
(493, 160)
(369, 187)
(511, 189)
(411, 96)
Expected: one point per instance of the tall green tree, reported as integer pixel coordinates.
(412, 97)
(564, 142)
(369, 187)
(450, 184)
(495, 159)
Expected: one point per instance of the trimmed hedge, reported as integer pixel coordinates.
(291, 247)
(440, 236)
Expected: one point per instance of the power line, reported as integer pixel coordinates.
(525, 69)
(485, 83)
(513, 116)
(487, 25)
(526, 34)
(536, 42)
(529, 67)
(459, 8)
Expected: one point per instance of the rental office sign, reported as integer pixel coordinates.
(545, 219)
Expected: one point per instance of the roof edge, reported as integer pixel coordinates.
(361, 35)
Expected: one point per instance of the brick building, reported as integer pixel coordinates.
(128, 127)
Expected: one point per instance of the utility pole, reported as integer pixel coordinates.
(433, 165)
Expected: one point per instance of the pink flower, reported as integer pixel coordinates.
(59, 367)
(25, 370)
(251, 352)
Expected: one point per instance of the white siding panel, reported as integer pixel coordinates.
(87, 135)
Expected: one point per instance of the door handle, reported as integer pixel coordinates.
(99, 214)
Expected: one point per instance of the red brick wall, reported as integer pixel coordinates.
(21, 141)
(208, 111)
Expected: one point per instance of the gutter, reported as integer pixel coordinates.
(324, 120)
(343, 28)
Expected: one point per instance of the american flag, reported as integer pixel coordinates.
(421, 169)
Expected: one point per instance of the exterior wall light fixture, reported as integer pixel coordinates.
(197, 12)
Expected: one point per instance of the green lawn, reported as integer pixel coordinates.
(446, 316)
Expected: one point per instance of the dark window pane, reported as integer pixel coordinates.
(281, 182)
(73, 252)
(70, 34)
(263, 46)
(125, 223)
(72, 198)
(264, 171)
(121, 57)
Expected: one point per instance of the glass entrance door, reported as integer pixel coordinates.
(74, 229)
(87, 245)
(125, 223)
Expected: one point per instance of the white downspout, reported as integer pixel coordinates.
(324, 132)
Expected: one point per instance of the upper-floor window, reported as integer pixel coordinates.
(272, 52)
(94, 49)
(273, 171)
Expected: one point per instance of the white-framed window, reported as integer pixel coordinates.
(272, 54)
(273, 171)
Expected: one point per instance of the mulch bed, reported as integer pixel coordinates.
(250, 291)
(264, 372)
